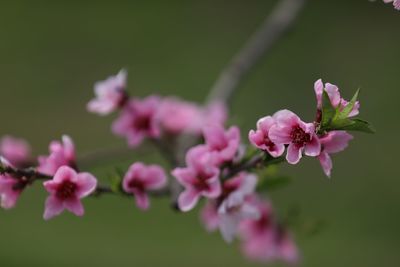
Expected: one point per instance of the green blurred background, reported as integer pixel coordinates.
(51, 53)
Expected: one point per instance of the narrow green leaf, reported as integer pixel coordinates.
(328, 111)
(359, 125)
(344, 113)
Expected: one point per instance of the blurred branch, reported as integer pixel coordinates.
(272, 29)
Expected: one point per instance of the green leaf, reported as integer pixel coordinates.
(328, 111)
(344, 113)
(357, 125)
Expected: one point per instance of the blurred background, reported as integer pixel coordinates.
(51, 53)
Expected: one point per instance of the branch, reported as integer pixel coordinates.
(273, 28)
(275, 25)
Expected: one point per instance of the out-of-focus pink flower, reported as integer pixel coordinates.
(200, 177)
(209, 215)
(334, 96)
(66, 189)
(138, 120)
(16, 151)
(224, 144)
(61, 154)
(177, 116)
(110, 94)
(260, 137)
(233, 206)
(264, 240)
(141, 178)
(332, 142)
(236, 207)
(300, 136)
(396, 3)
(9, 191)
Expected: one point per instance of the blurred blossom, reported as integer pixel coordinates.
(66, 189)
(61, 154)
(9, 191)
(16, 151)
(141, 178)
(200, 177)
(138, 120)
(110, 94)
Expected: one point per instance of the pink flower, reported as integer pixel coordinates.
(138, 120)
(233, 206)
(110, 94)
(290, 130)
(236, 207)
(9, 191)
(141, 178)
(224, 144)
(16, 151)
(60, 154)
(209, 215)
(260, 137)
(177, 116)
(264, 240)
(334, 96)
(332, 142)
(200, 177)
(66, 189)
(396, 3)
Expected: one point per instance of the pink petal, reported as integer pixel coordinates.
(319, 88)
(188, 199)
(209, 216)
(75, 206)
(185, 176)
(313, 148)
(142, 200)
(65, 173)
(86, 184)
(333, 93)
(214, 190)
(155, 177)
(280, 135)
(53, 207)
(335, 141)
(293, 155)
(326, 163)
(286, 118)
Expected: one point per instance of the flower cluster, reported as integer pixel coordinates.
(154, 116)
(218, 171)
(285, 129)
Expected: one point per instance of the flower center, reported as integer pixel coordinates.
(66, 190)
(268, 143)
(142, 123)
(136, 184)
(299, 136)
(201, 182)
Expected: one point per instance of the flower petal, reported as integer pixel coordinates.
(188, 199)
(293, 155)
(75, 206)
(53, 207)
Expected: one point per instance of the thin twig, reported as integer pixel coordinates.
(272, 29)
(278, 22)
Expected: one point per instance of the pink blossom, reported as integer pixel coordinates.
(61, 153)
(209, 215)
(110, 94)
(334, 96)
(396, 3)
(264, 240)
(260, 137)
(199, 178)
(138, 120)
(141, 178)
(16, 151)
(236, 207)
(9, 191)
(292, 131)
(332, 142)
(177, 116)
(66, 189)
(224, 144)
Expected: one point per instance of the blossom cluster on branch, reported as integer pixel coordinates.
(222, 170)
